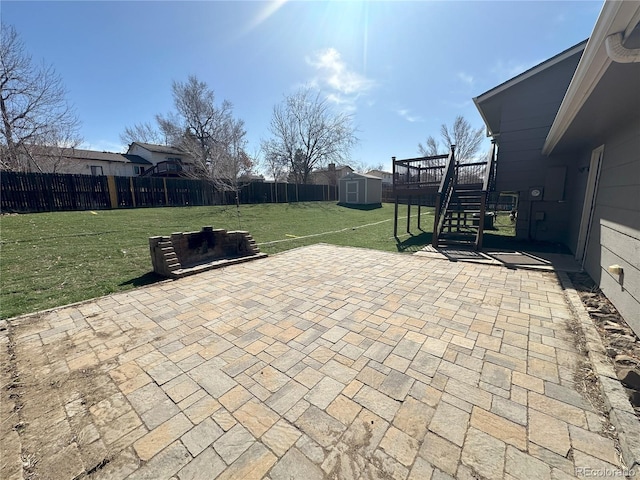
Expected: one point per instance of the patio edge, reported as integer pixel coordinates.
(621, 414)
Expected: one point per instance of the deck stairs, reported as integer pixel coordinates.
(459, 190)
(461, 219)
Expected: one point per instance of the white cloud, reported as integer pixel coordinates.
(344, 85)
(408, 116)
(465, 78)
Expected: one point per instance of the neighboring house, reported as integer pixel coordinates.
(250, 178)
(387, 177)
(88, 162)
(329, 175)
(166, 160)
(140, 159)
(568, 137)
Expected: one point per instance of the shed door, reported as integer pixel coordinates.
(352, 192)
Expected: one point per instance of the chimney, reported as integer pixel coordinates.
(332, 167)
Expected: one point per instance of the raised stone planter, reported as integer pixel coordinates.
(187, 253)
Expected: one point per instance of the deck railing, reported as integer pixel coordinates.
(471, 173)
(416, 173)
(445, 191)
(487, 186)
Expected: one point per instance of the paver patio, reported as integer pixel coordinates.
(321, 362)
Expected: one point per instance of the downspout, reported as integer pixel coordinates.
(617, 52)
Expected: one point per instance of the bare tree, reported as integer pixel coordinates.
(208, 133)
(143, 132)
(466, 139)
(307, 134)
(229, 159)
(33, 106)
(274, 167)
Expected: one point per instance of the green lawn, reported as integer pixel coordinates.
(52, 259)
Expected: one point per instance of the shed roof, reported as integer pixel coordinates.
(352, 175)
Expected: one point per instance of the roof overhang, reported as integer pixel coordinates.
(483, 102)
(615, 17)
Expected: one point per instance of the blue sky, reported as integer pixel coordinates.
(401, 68)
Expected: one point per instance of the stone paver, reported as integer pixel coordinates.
(321, 362)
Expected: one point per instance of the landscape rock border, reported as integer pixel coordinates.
(621, 413)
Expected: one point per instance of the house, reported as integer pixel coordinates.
(387, 177)
(251, 178)
(88, 162)
(329, 175)
(140, 159)
(568, 141)
(360, 189)
(165, 160)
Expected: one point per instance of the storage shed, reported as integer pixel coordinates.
(360, 189)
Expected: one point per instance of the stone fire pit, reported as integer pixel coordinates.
(187, 253)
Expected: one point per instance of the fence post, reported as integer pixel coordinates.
(166, 194)
(133, 192)
(113, 191)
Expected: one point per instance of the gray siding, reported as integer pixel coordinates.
(528, 110)
(615, 231)
(374, 191)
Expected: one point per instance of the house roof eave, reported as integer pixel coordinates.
(614, 17)
(485, 119)
(488, 103)
(531, 72)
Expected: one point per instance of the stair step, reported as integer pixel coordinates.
(445, 242)
(458, 233)
(459, 224)
(455, 223)
(457, 236)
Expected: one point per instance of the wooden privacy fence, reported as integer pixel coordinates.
(46, 192)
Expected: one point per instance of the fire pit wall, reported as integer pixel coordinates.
(186, 253)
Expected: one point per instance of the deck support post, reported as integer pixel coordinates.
(395, 218)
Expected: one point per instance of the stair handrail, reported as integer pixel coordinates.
(487, 186)
(444, 194)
